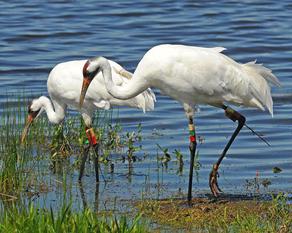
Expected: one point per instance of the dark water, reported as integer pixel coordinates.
(37, 35)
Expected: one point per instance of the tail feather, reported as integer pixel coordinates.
(260, 76)
(265, 72)
(148, 100)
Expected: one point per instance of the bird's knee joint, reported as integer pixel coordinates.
(215, 167)
(234, 115)
(241, 120)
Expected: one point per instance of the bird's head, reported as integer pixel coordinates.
(34, 110)
(90, 69)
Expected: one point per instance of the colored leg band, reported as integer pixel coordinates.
(192, 138)
(191, 127)
(192, 133)
(91, 136)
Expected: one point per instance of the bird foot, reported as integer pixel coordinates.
(213, 181)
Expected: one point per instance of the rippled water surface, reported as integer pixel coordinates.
(36, 35)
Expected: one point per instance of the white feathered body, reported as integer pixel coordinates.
(196, 75)
(65, 81)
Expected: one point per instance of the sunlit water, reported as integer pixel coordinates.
(35, 36)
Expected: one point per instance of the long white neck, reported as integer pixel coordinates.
(126, 91)
(56, 115)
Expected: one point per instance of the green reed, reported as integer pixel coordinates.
(48, 145)
(276, 218)
(33, 219)
(22, 173)
(12, 159)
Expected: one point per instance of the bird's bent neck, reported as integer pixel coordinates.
(124, 92)
(54, 117)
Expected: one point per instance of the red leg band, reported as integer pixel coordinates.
(192, 138)
(91, 136)
(93, 140)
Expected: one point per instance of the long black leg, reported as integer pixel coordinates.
(83, 160)
(193, 146)
(96, 158)
(83, 196)
(96, 199)
(234, 116)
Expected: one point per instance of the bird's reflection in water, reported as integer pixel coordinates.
(84, 199)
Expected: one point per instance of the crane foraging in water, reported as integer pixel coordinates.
(63, 85)
(194, 75)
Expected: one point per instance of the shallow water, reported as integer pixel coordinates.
(35, 36)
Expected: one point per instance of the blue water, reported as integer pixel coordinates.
(36, 35)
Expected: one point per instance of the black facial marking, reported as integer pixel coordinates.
(86, 73)
(95, 72)
(31, 112)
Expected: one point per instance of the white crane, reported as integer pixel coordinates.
(63, 85)
(194, 75)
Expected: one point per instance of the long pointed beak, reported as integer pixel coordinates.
(29, 120)
(85, 85)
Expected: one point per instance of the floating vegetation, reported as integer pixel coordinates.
(276, 170)
(254, 185)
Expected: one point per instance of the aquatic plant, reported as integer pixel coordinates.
(179, 158)
(52, 146)
(35, 219)
(165, 157)
(131, 139)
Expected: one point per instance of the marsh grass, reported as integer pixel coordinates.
(25, 171)
(207, 215)
(48, 146)
(12, 161)
(33, 219)
(25, 168)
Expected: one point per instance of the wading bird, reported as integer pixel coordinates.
(64, 84)
(194, 75)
